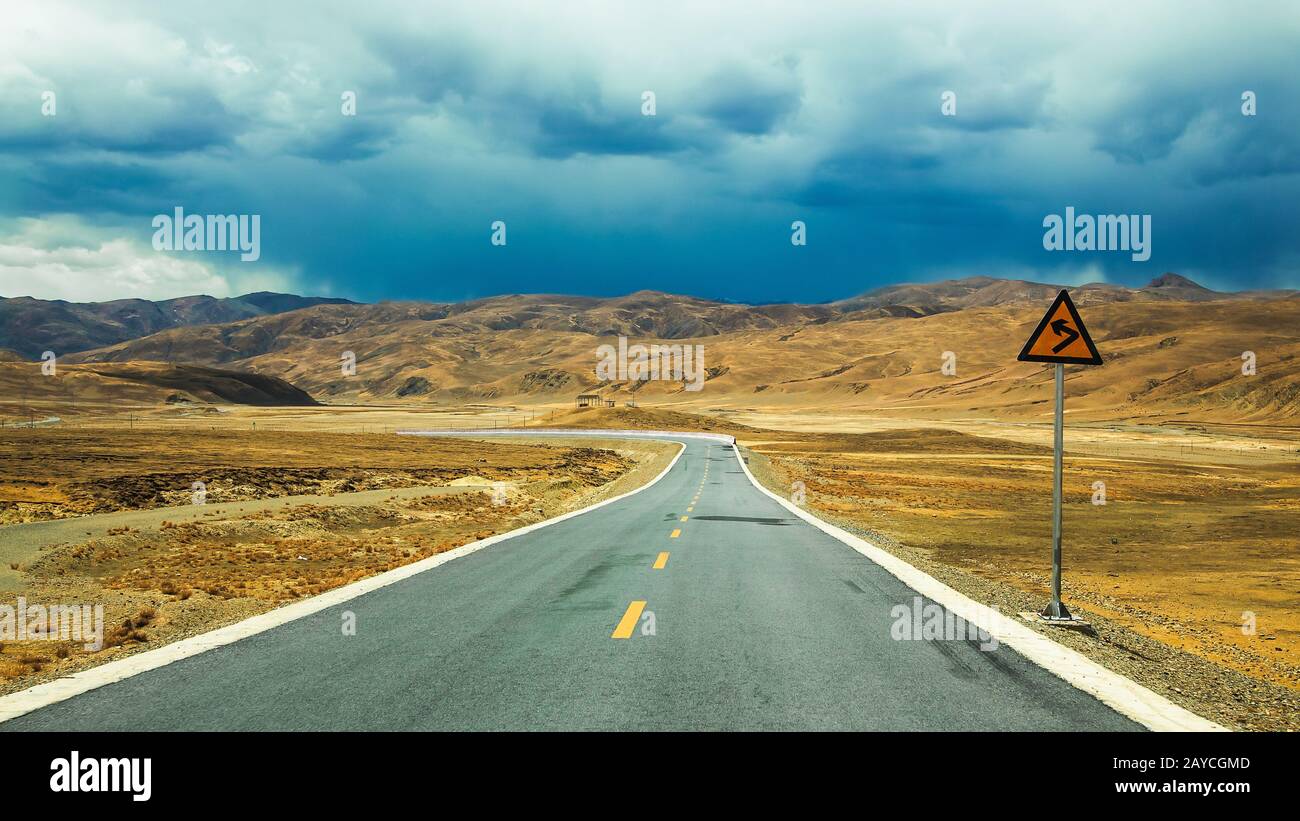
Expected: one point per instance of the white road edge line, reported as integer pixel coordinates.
(1121, 694)
(1127, 697)
(61, 689)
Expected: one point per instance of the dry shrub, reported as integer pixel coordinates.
(36, 663)
(129, 629)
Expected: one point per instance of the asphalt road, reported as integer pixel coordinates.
(760, 622)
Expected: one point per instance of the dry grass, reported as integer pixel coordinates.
(178, 578)
(1165, 358)
(1180, 552)
(58, 472)
(299, 552)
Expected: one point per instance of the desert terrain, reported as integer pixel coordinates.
(1200, 458)
(1173, 352)
(106, 513)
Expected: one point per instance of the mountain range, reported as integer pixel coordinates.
(31, 326)
(1172, 349)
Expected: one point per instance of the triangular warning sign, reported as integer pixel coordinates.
(1061, 337)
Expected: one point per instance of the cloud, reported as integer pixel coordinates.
(111, 184)
(591, 127)
(766, 113)
(751, 100)
(62, 257)
(119, 85)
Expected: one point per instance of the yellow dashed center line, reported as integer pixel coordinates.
(628, 623)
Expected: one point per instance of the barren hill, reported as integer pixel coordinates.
(1172, 349)
(31, 326)
(143, 383)
(985, 292)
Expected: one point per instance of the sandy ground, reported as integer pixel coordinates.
(165, 568)
(54, 472)
(1198, 532)
(1219, 443)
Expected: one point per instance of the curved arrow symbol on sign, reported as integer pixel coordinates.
(1061, 328)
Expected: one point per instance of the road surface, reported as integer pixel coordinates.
(761, 621)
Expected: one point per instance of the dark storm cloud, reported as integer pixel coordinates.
(345, 139)
(591, 128)
(827, 114)
(577, 115)
(876, 175)
(176, 122)
(751, 102)
(94, 186)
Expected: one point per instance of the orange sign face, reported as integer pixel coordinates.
(1061, 337)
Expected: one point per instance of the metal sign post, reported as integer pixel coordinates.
(1056, 610)
(1060, 338)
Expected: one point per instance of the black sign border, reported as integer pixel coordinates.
(1026, 356)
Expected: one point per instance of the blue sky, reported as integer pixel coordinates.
(766, 113)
